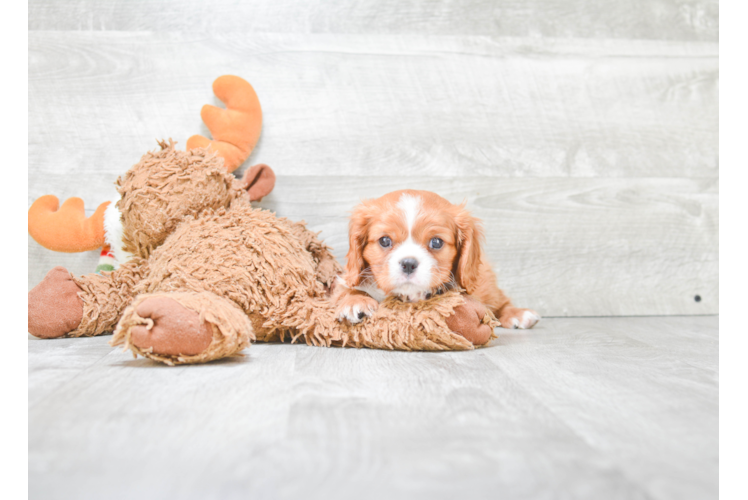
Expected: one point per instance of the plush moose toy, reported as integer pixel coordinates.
(202, 273)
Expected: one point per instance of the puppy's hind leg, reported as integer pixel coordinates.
(508, 315)
(515, 317)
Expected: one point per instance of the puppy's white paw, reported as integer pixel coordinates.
(355, 308)
(354, 314)
(518, 318)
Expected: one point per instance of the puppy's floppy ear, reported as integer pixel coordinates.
(358, 231)
(469, 239)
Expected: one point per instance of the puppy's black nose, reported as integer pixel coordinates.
(409, 265)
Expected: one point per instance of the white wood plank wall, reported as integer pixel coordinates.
(583, 133)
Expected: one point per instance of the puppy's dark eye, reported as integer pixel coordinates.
(385, 241)
(436, 243)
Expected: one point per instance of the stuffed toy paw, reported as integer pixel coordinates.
(473, 321)
(55, 309)
(170, 328)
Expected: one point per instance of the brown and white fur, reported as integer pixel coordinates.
(414, 244)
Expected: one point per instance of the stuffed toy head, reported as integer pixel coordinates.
(187, 182)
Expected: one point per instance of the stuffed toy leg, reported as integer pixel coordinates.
(193, 327)
(63, 305)
(170, 329)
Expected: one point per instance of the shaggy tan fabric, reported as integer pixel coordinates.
(166, 186)
(105, 296)
(395, 325)
(245, 254)
(327, 266)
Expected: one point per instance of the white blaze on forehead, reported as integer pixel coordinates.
(411, 206)
(414, 286)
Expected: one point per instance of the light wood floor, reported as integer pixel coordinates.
(598, 408)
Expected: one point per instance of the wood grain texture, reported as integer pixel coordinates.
(350, 105)
(644, 19)
(577, 408)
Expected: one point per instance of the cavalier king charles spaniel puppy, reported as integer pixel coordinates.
(414, 244)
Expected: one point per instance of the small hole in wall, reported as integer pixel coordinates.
(697, 298)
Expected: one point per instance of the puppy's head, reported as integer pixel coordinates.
(412, 244)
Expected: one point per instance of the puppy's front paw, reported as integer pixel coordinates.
(514, 317)
(355, 308)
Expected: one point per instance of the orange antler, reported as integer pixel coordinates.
(235, 129)
(66, 229)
